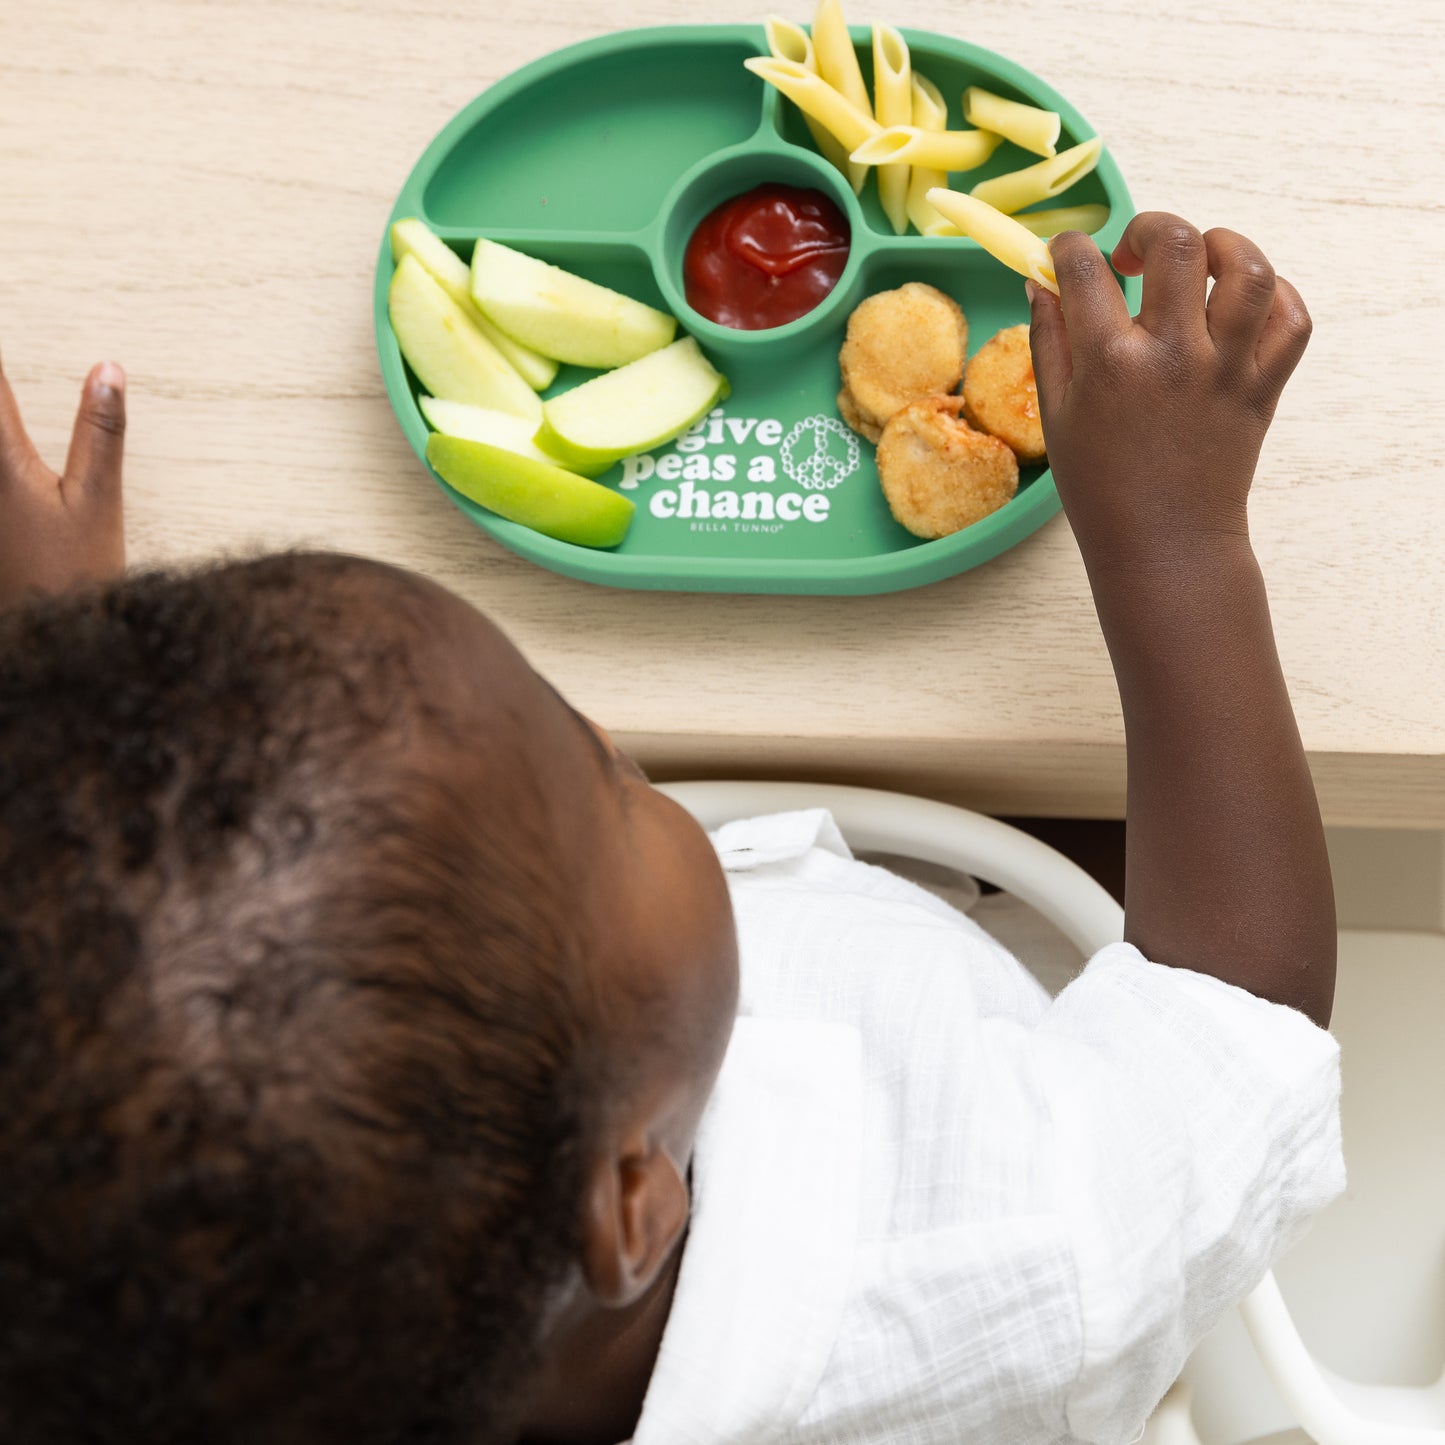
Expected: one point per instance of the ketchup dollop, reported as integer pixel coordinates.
(765, 257)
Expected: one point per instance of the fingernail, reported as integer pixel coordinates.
(109, 377)
(1030, 290)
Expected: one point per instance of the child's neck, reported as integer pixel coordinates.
(596, 1370)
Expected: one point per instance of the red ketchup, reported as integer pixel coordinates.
(765, 257)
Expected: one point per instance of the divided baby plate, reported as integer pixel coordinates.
(602, 158)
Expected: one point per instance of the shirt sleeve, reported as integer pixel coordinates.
(1196, 1132)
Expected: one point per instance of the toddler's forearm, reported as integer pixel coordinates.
(1226, 868)
(1154, 426)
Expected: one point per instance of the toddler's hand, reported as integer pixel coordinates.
(56, 531)
(1154, 425)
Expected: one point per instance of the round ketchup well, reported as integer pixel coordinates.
(765, 257)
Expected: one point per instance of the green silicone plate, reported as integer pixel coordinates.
(602, 158)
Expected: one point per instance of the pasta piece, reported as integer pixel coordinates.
(788, 41)
(1000, 235)
(930, 110)
(944, 150)
(814, 96)
(893, 104)
(1028, 126)
(1041, 182)
(930, 113)
(1087, 219)
(838, 65)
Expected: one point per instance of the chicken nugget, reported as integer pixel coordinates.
(939, 474)
(901, 346)
(848, 410)
(1000, 395)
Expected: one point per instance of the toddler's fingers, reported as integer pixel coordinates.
(1090, 298)
(1048, 346)
(16, 449)
(1243, 294)
(98, 441)
(1172, 256)
(1286, 334)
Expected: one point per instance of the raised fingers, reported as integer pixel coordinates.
(15, 447)
(97, 443)
(1243, 294)
(1172, 257)
(1285, 335)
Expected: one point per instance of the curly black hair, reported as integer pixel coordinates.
(293, 1070)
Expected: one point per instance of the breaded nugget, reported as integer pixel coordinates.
(848, 410)
(901, 346)
(1000, 395)
(938, 474)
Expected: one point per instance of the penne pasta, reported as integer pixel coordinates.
(930, 110)
(788, 41)
(893, 105)
(814, 96)
(837, 63)
(1028, 126)
(1041, 182)
(930, 113)
(999, 234)
(1087, 219)
(947, 150)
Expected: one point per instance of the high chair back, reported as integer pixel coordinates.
(1333, 1411)
(879, 822)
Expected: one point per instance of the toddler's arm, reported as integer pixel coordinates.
(1153, 428)
(57, 530)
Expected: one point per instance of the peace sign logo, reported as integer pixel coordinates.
(819, 453)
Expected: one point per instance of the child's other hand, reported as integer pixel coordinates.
(1154, 424)
(56, 531)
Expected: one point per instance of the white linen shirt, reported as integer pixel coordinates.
(933, 1205)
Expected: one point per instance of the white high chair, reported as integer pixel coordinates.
(1331, 1410)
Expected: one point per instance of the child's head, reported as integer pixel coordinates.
(358, 1004)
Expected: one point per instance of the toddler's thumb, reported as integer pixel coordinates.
(1048, 344)
(98, 440)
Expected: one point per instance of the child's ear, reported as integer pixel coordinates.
(637, 1209)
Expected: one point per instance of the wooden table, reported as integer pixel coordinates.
(199, 190)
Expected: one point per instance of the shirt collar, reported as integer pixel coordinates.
(770, 1247)
(750, 843)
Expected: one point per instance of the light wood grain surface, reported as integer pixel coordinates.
(200, 189)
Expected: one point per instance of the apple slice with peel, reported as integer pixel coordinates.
(414, 237)
(546, 498)
(563, 315)
(453, 360)
(633, 409)
(492, 428)
(482, 424)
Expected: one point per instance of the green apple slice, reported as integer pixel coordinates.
(536, 494)
(451, 357)
(632, 409)
(482, 424)
(413, 237)
(491, 428)
(563, 315)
